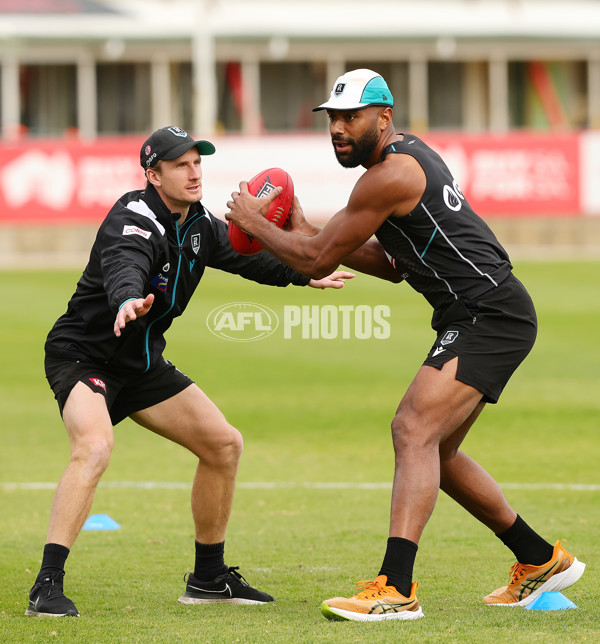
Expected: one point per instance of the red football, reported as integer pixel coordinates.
(279, 211)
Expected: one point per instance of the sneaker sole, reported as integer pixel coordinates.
(347, 615)
(231, 600)
(34, 613)
(557, 582)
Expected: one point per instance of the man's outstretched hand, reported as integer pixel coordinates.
(132, 310)
(337, 279)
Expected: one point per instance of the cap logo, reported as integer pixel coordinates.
(177, 131)
(147, 150)
(339, 88)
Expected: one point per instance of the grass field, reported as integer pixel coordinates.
(311, 511)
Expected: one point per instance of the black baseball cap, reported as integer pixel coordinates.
(170, 143)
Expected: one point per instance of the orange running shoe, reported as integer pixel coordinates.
(527, 582)
(374, 603)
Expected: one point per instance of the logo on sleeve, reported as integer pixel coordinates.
(136, 230)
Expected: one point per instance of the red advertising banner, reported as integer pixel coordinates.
(66, 181)
(70, 181)
(515, 174)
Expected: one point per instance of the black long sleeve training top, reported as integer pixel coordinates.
(140, 248)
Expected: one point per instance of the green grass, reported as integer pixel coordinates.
(311, 411)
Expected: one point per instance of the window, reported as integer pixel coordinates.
(445, 91)
(288, 93)
(123, 98)
(229, 97)
(548, 95)
(48, 99)
(182, 95)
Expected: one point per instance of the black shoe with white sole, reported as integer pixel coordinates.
(230, 588)
(47, 598)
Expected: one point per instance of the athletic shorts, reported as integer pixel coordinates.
(124, 394)
(490, 336)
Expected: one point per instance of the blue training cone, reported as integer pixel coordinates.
(551, 600)
(100, 522)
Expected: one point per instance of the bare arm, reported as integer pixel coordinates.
(371, 259)
(391, 188)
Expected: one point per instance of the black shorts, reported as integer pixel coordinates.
(124, 394)
(491, 337)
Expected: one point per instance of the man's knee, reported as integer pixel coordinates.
(223, 449)
(93, 454)
(410, 431)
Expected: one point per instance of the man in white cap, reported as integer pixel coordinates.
(485, 324)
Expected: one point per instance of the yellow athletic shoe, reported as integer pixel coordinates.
(374, 603)
(527, 583)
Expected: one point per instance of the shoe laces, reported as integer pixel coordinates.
(371, 589)
(52, 585)
(233, 570)
(516, 572)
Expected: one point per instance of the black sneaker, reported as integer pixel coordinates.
(47, 598)
(230, 588)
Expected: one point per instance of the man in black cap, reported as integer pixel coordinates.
(104, 362)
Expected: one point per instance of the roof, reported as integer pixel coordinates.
(306, 19)
(37, 7)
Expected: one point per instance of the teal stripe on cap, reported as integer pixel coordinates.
(377, 91)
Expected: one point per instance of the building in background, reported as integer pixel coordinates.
(507, 90)
(83, 68)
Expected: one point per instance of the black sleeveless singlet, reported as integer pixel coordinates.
(443, 249)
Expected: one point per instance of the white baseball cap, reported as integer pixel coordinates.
(357, 89)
